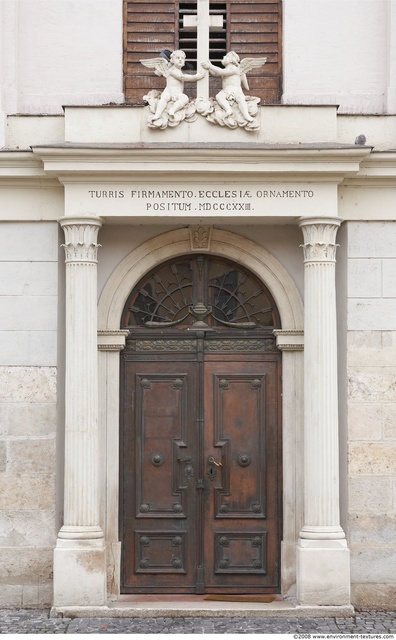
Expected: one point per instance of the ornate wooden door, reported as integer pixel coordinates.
(200, 447)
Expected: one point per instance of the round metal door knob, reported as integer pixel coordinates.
(243, 460)
(157, 459)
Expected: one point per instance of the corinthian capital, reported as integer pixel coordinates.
(80, 239)
(319, 238)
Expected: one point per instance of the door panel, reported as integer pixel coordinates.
(241, 513)
(159, 468)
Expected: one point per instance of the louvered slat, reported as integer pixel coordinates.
(149, 27)
(252, 29)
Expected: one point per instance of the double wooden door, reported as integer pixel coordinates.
(200, 460)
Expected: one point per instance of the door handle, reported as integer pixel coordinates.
(188, 469)
(213, 461)
(186, 459)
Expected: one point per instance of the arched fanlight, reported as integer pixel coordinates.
(200, 290)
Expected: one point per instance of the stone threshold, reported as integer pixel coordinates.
(196, 607)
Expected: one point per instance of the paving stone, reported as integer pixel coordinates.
(24, 621)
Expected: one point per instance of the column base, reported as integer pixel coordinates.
(323, 573)
(80, 573)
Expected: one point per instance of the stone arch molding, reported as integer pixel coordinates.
(223, 243)
(111, 340)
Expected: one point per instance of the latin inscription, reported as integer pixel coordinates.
(200, 200)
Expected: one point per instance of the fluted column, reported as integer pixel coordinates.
(79, 565)
(81, 507)
(323, 558)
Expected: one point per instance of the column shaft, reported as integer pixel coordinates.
(322, 556)
(321, 475)
(81, 507)
(79, 557)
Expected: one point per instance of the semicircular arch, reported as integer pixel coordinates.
(223, 243)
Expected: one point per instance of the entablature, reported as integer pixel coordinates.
(323, 162)
(168, 182)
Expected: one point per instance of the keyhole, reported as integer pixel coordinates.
(212, 473)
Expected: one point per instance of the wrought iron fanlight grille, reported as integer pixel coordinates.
(200, 291)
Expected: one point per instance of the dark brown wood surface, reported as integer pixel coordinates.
(159, 499)
(189, 525)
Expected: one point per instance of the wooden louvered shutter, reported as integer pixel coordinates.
(149, 27)
(253, 30)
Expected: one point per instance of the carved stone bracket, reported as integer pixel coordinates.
(200, 237)
(112, 340)
(292, 340)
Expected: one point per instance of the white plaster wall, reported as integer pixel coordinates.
(371, 369)
(279, 124)
(28, 400)
(336, 52)
(2, 106)
(23, 132)
(68, 52)
(380, 131)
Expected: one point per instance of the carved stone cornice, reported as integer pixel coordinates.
(319, 238)
(80, 239)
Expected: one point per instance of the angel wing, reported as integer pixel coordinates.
(160, 65)
(246, 65)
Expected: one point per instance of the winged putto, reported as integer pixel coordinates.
(229, 108)
(171, 106)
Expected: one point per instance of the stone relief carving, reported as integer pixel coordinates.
(319, 242)
(200, 236)
(80, 241)
(230, 108)
(172, 106)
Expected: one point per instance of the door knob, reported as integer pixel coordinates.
(213, 461)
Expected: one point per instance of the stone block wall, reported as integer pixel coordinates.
(371, 364)
(28, 387)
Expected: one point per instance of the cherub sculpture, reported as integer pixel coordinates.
(170, 107)
(231, 94)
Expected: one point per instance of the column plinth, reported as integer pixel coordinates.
(322, 553)
(79, 557)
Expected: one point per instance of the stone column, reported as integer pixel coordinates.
(322, 554)
(79, 560)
